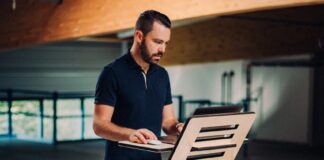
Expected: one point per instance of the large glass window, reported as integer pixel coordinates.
(69, 129)
(88, 111)
(48, 119)
(88, 106)
(69, 119)
(3, 107)
(68, 107)
(3, 117)
(88, 130)
(48, 129)
(48, 107)
(25, 118)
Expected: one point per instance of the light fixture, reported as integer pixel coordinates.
(13, 5)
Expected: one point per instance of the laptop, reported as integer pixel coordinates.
(172, 139)
(217, 110)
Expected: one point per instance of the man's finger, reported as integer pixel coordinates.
(179, 127)
(147, 133)
(141, 137)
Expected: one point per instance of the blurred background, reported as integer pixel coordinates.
(266, 56)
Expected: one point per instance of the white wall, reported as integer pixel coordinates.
(203, 81)
(283, 105)
(66, 66)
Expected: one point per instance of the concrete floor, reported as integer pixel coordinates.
(266, 150)
(94, 150)
(26, 150)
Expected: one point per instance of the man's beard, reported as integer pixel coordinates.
(146, 55)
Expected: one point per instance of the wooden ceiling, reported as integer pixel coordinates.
(43, 21)
(280, 32)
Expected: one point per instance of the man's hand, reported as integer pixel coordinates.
(179, 128)
(141, 136)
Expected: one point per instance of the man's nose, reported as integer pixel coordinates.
(162, 49)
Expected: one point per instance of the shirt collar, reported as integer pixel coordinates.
(133, 65)
(131, 62)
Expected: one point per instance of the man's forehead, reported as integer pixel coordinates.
(158, 24)
(159, 31)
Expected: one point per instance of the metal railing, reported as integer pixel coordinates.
(12, 95)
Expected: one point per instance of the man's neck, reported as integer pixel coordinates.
(138, 59)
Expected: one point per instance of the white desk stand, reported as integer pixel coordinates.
(212, 137)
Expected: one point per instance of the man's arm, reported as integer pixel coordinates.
(170, 124)
(106, 129)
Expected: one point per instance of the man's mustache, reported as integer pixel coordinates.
(160, 54)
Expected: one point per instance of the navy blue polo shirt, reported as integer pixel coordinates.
(138, 100)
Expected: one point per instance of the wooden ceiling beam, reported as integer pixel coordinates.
(37, 22)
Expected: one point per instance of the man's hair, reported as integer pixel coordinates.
(146, 19)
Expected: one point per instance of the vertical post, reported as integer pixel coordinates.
(181, 109)
(124, 48)
(246, 102)
(223, 88)
(82, 118)
(41, 117)
(9, 95)
(55, 97)
(229, 88)
(246, 105)
(316, 137)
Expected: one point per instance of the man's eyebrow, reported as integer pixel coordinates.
(160, 40)
(156, 39)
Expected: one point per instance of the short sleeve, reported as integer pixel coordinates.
(106, 89)
(168, 99)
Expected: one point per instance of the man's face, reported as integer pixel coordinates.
(153, 45)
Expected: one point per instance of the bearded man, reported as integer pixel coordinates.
(133, 94)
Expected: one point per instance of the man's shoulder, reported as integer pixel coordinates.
(118, 63)
(161, 68)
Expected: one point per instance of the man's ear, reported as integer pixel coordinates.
(138, 36)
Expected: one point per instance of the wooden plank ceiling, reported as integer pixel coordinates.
(280, 32)
(212, 30)
(43, 21)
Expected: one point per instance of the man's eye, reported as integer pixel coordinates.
(158, 42)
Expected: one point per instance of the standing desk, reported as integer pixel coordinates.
(209, 136)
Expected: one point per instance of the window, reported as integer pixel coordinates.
(25, 119)
(69, 119)
(68, 107)
(88, 111)
(48, 119)
(68, 129)
(3, 118)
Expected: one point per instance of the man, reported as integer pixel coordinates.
(133, 96)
